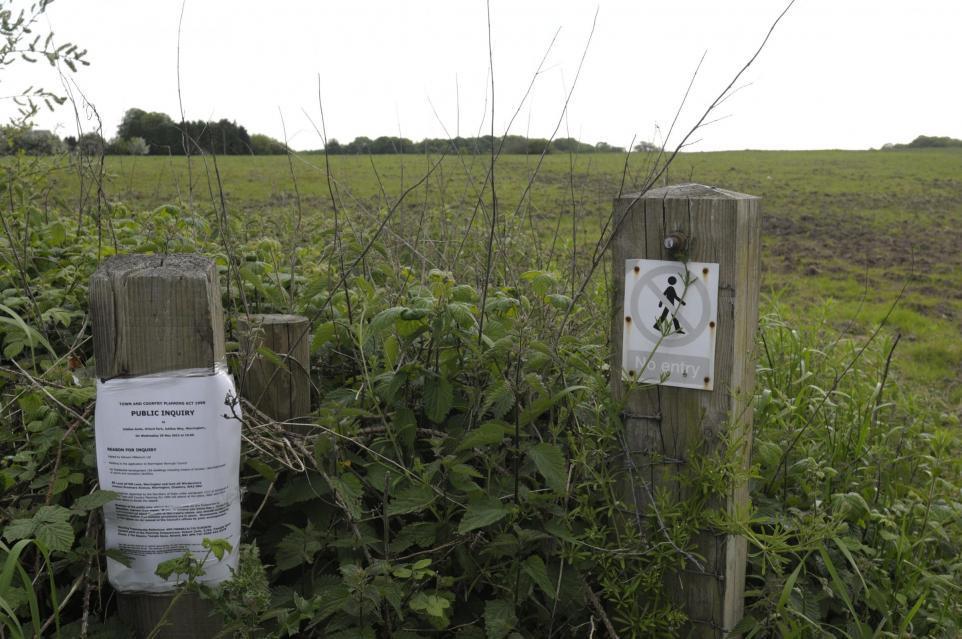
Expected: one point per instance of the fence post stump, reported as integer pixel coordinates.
(151, 314)
(275, 355)
(665, 425)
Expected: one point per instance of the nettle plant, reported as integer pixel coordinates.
(458, 480)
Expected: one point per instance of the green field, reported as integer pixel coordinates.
(844, 231)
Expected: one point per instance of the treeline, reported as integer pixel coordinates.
(166, 137)
(145, 133)
(926, 142)
(154, 133)
(512, 144)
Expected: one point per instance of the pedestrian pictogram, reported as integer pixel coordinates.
(670, 298)
(671, 313)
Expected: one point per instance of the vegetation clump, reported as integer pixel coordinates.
(926, 142)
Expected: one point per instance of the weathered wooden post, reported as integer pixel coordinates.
(688, 328)
(275, 355)
(153, 314)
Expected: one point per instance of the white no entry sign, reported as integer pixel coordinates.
(671, 312)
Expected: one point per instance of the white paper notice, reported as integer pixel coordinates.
(170, 446)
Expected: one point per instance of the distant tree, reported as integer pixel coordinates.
(932, 142)
(360, 144)
(157, 130)
(91, 144)
(334, 147)
(71, 143)
(222, 137)
(604, 147)
(36, 142)
(518, 144)
(570, 145)
(385, 145)
(133, 146)
(647, 147)
(163, 136)
(137, 146)
(266, 145)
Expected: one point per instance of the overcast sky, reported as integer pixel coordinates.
(836, 73)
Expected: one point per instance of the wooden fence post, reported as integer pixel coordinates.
(665, 425)
(279, 387)
(151, 314)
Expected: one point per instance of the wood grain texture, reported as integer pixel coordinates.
(278, 382)
(666, 425)
(155, 313)
(152, 314)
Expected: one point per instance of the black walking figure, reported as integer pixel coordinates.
(672, 296)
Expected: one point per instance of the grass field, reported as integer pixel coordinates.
(844, 231)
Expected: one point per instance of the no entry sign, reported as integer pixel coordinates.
(671, 315)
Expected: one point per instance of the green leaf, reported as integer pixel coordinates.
(297, 547)
(95, 499)
(414, 314)
(384, 320)
(851, 507)
(322, 447)
(482, 511)
(12, 349)
(541, 281)
(304, 487)
(19, 529)
(270, 356)
(57, 233)
(406, 427)
(499, 399)
(438, 398)
(542, 404)
(55, 535)
(348, 487)
(840, 588)
(851, 560)
(119, 556)
(262, 469)
(30, 334)
(499, 618)
(412, 499)
(389, 384)
(790, 584)
(431, 605)
(534, 567)
(422, 534)
(560, 302)
(59, 485)
(322, 335)
(52, 515)
(392, 350)
(392, 593)
(550, 462)
(485, 434)
(462, 314)
(218, 547)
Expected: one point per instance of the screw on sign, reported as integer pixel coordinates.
(670, 318)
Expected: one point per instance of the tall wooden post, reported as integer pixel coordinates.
(666, 425)
(151, 314)
(275, 353)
